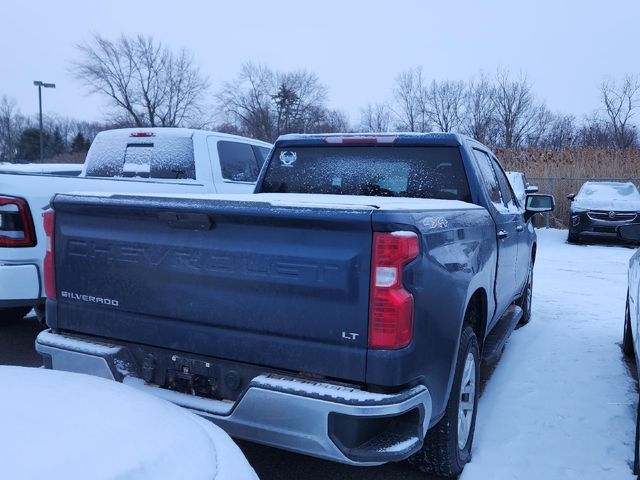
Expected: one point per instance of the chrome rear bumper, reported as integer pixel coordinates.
(314, 418)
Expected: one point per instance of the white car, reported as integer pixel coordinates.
(139, 160)
(91, 428)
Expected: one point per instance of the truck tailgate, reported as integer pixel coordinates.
(279, 286)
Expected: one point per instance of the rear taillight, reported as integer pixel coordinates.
(49, 261)
(16, 224)
(391, 306)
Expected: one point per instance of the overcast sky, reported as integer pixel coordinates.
(357, 48)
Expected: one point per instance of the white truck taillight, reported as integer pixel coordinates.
(16, 224)
(391, 306)
(49, 260)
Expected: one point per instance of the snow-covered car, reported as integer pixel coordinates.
(138, 160)
(599, 208)
(630, 338)
(520, 185)
(91, 428)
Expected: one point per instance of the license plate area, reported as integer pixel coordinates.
(192, 376)
(204, 378)
(207, 377)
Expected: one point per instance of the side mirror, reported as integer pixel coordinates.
(539, 203)
(629, 232)
(531, 189)
(571, 196)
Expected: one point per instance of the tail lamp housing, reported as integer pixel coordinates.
(391, 305)
(16, 223)
(49, 260)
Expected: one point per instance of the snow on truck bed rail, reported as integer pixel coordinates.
(305, 200)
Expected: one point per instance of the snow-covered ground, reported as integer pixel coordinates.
(561, 401)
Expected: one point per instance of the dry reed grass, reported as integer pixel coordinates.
(564, 172)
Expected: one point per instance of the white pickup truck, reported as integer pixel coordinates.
(149, 160)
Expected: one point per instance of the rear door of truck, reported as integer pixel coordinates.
(279, 286)
(508, 226)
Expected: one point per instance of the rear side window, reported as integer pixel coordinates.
(163, 157)
(238, 161)
(387, 171)
(505, 186)
(489, 177)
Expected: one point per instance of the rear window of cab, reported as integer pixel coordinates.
(160, 157)
(382, 171)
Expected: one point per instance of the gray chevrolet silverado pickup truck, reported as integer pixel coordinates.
(343, 310)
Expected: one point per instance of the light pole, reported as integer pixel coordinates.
(40, 84)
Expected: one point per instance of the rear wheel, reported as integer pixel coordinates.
(447, 447)
(627, 337)
(636, 450)
(525, 300)
(13, 314)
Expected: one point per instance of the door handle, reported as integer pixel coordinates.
(502, 234)
(519, 228)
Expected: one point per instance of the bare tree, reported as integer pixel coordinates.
(515, 109)
(264, 104)
(70, 127)
(444, 103)
(12, 124)
(147, 84)
(542, 121)
(247, 101)
(375, 118)
(561, 134)
(621, 101)
(594, 132)
(304, 107)
(479, 119)
(410, 101)
(334, 121)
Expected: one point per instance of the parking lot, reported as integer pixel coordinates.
(559, 404)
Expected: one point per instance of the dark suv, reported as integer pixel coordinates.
(599, 208)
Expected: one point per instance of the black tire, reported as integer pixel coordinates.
(525, 300)
(636, 448)
(441, 455)
(627, 337)
(573, 237)
(13, 314)
(41, 314)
